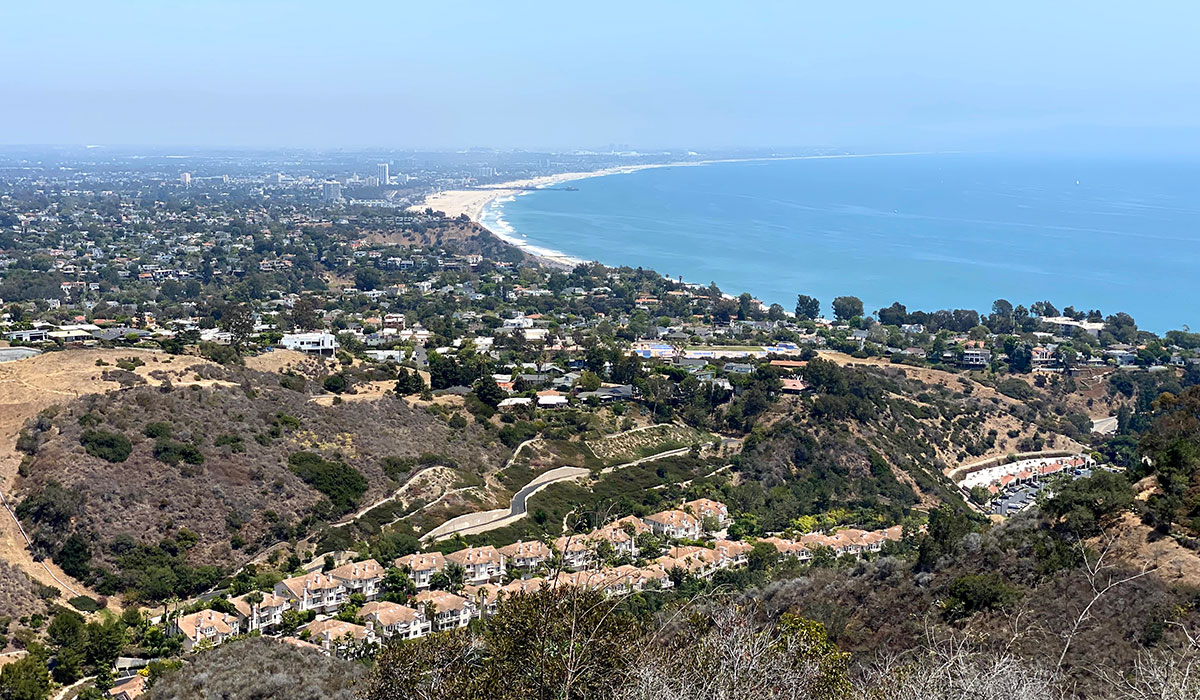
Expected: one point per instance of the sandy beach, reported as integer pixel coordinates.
(473, 202)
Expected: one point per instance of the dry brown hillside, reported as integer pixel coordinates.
(30, 386)
(208, 475)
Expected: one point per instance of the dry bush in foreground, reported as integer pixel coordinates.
(257, 669)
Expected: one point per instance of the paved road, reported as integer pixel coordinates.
(473, 523)
(1105, 426)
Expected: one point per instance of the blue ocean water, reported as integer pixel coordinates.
(931, 231)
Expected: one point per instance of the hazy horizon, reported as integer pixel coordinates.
(532, 76)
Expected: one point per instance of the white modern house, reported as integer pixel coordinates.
(319, 343)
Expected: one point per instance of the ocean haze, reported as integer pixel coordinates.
(931, 231)
(897, 76)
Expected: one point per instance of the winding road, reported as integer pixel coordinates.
(474, 523)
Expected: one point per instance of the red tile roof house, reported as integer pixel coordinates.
(334, 635)
(361, 577)
(128, 688)
(480, 564)
(674, 523)
(485, 596)
(621, 534)
(653, 576)
(704, 508)
(315, 591)
(732, 553)
(422, 567)
(526, 555)
(529, 585)
(394, 620)
(206, 627)
(789, 548)
(264, 615)
(698, 561)
(577, 553)
(449, 610)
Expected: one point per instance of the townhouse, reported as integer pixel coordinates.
(621, 535)
(789, 548)
(576, 552)
(394, 620)
(422, 567)
(674, 523)
(480, 564)
(335, 635)
(526, 556)
(264, 614)
(316, 591)
(704, 508)
(444, 610)
(362, 577)
(485, 596)
(206, 627)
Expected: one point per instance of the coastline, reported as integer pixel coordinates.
(475, 203)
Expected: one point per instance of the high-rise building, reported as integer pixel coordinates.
(381, 172)
(372, 181)
(277, 179)
(185, 179)
(331, 191)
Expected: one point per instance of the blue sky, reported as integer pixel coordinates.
(895, 75)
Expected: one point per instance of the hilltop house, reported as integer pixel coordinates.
(319, 343)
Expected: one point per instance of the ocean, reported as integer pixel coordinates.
(930, 231)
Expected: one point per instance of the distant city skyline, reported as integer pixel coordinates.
(892, 76)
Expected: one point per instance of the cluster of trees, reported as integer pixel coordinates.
(341, 483)
(74, 648)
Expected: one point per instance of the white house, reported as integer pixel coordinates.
(480, 564)
(319, 343)
(315, 591)
(422, 567)
(674, 523)
(206, 626)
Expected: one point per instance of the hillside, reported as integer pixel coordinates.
(204, 476)
(260, 668)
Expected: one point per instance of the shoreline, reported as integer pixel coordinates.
(474, 203)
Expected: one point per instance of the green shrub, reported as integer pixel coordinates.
(173, 452)
(84, 603)
(1017, 389)
(342, 484)
(159, 429)
(235, 442)
(978, 592)
(129, 363)
(113, 447)
(335, 383)
(221, 354)
(293, 382)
